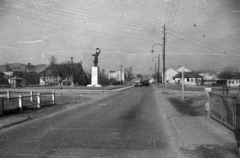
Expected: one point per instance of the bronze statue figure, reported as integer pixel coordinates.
(96, 56)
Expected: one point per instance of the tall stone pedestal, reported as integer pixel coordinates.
(94, 79)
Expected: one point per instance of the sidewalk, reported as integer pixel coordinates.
(200, 136)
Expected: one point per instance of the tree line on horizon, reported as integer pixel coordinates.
(67, 71)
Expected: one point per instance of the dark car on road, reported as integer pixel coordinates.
(145, 82)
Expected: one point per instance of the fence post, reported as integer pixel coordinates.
(238, 112)
(31, 96)
(20, 103)
(53, 97)
(1, 106)
(221, 110)
(207, 104)
(38, 100)
(8, 94)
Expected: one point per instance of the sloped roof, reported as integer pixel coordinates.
(188, 75)
(16, 78)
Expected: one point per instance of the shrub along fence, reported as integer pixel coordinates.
(25, 101)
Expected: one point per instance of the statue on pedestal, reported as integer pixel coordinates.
(95, 61)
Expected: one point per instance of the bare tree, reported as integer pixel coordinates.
(7, 67)
(229, 72)
(52, 61)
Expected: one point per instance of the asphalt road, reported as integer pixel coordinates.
(130, 124)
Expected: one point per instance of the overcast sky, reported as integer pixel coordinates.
(201, 34)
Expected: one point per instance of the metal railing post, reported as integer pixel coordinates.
(53, 97)
(221, 110)
(20, 103)
(207, 104)
(39, 100)
(8, 94)
(31, 96)
(1, 106)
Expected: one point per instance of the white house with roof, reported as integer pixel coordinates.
(190, 78)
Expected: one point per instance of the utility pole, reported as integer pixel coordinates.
(155, 71)
(72, 69)
(158, 73)
(183, 79)
(120, 74)
(164, 41)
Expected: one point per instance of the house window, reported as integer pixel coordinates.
(191, 80)
(232, 82)
(187, 79)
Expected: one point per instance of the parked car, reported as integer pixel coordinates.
(138, 84)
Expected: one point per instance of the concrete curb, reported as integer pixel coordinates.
(9, 121)
(122, 89)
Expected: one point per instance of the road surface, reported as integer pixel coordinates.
(131, 124)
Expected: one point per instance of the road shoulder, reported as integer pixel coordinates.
(198, 135)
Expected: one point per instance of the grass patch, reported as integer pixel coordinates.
(12, 106)
(214, 151)
(190, 106)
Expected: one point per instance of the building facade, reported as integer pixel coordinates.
(117, 75)
(190, 78)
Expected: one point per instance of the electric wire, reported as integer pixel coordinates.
(22, 4)
(212, 45)
(54, 23)
(195, 43)
(98, 14)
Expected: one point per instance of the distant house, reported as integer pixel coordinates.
(170, 73)
(190, 78)
(79, 77)
(9, 74)
(46, 78)
(16, 82)
(117, 75)
(233, 82)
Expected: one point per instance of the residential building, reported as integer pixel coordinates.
(190, 78)
(16, 82)
(9, 74)
(117, 75)
(233, 82)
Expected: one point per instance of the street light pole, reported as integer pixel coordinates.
(157, 73)
(158, 59)
(163, 46)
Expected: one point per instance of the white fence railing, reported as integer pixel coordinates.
(21, 101)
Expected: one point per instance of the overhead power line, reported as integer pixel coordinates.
(209, 44)
(71, 27)
(195, 43)
(65, 15)
(97, 15)
(175, 13)
(31, 13)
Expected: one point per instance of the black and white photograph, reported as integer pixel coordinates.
(119, 78)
